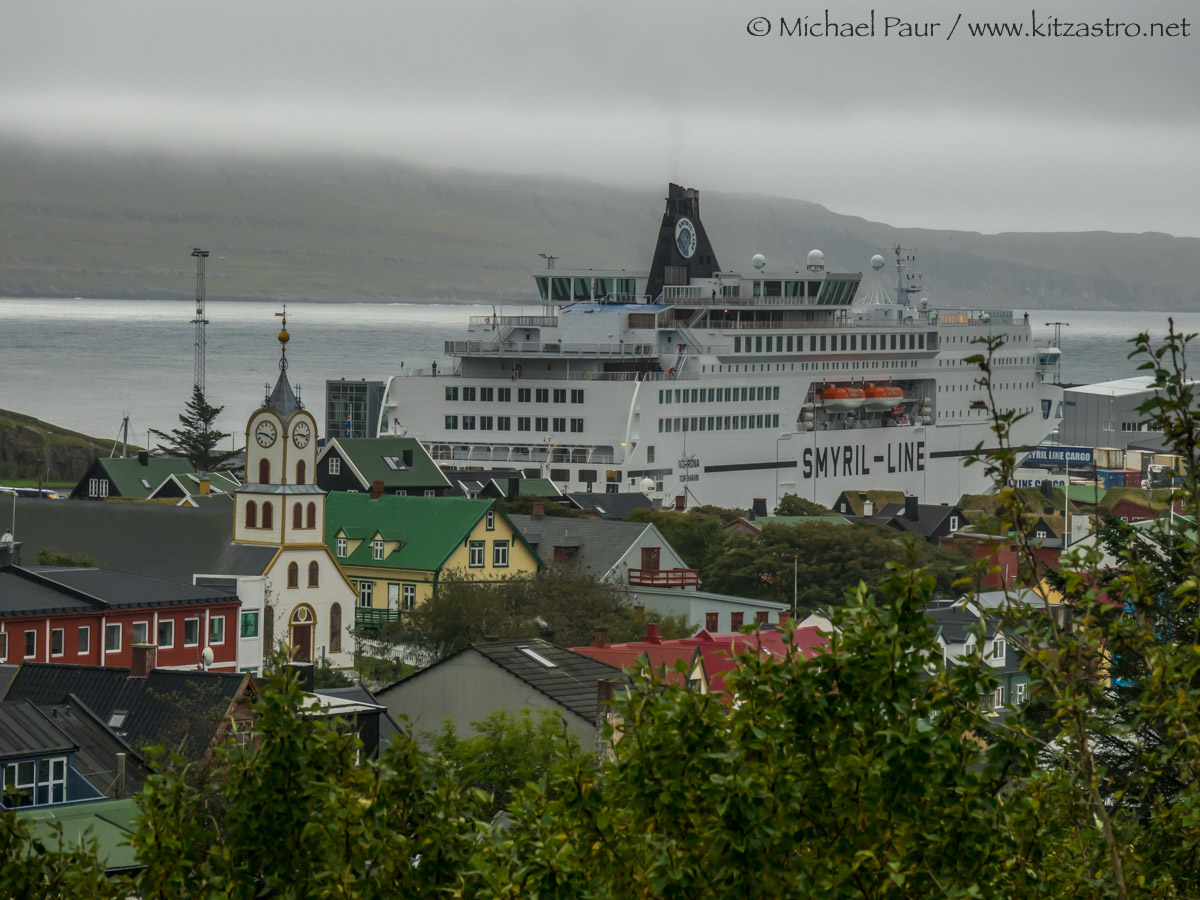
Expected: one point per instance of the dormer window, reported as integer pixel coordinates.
(341, 547)
(376, 549)
(999, 649)
(395, 463)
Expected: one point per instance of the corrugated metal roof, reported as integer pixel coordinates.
(1121, 387)
(25, 732)
(571, 679)
(370, 457)
(601, 542)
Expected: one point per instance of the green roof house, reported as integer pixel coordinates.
(392, 465)
(131, 479)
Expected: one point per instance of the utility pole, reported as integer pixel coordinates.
(200, 321)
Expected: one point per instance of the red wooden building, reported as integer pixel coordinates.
(93, 617)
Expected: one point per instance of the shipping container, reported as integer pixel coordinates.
(1109, 458)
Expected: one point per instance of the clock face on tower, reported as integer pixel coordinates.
(301, 435)
(265, 434)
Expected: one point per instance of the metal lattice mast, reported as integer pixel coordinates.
(200, 321)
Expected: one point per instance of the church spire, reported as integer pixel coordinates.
(283, 399)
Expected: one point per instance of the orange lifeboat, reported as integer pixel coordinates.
(837, 397)
(882, 396)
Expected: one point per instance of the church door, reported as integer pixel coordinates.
(302, 624)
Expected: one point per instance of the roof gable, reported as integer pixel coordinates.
(398, 462)
(137, 479)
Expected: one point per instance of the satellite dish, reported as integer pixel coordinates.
(759, 261)
(206, 657)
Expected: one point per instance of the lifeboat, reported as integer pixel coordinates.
(882, 396)
(837, 397)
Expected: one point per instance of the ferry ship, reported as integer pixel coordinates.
(695, 384)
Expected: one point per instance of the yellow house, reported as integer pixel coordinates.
(396, 549)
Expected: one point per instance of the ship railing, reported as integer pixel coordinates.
(516, 321)
(550, 348)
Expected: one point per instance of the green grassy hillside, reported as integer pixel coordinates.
(97, 224)
(33, 450)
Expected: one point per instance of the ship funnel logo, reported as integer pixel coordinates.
(685, 237)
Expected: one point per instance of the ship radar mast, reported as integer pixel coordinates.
(907, 283)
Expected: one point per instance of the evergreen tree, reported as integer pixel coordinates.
(197, 438)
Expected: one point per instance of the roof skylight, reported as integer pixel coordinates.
(537, 657)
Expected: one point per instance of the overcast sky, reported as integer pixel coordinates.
(990, 134)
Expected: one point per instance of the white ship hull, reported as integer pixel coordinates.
(708, 390)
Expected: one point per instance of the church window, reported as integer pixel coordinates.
(251, 514)
(297, 516)
(300, 471)
(335, 627)
(264, 471)
(314, 574)
(312, 515)
(293, 575)
(268, 516)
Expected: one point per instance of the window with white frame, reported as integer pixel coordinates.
(30, 644)
(341, 547)
(112, 637)
(490, 520)
(3, 645)
(954, 523)
(394, 598)
(1001, 696)
(191, 632)
(335, 465)
(83, 640)
(999, 648)
(475, 554)
(250, 624)
(216, 630)
(97, 487)
(141, 632)
(166, 633)
(408, 598)
(500, 554)
(429, 492)
(1019, 693)
(377, 550)
(366, 594)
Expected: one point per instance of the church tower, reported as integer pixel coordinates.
(279, 506)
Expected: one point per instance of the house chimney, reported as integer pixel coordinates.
(606, 691)
(759, 506)
(376, 490)
(784, 617)
(601, 638)
(539, 510)
(144, 658)
(143, 457)
(205, 485)
(652, 634)
(910, 508)
(868, 508)
(305, 675)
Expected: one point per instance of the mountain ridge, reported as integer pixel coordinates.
(103, 224)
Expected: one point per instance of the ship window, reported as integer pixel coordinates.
(758, 289)
(872, 342)
(542, 395)
(503, 423)
(737, 344)
(504, 395)
(792, 288)
(893, 342)
(485, 423)
(522, 423)
(577, 395)
(560, 424)
(560, 395)
(843, 342)
(451, 423)
(758, 344)
(468, 423)
(772, 289)
(560, 289)
(543, 286)
(451, 393)
(523, 395)
(822, 343)
(789, 343)
(541, 423)
(920, 341)
(812, 342)
(604, 287)
(486, 394)
(814, 288)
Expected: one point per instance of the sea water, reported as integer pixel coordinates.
(84, 364)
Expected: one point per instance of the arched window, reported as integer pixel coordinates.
(335, 627)
(314, 574)
(268, 516)
(312, 515)
(264, 471)
(251, 514)
(300, 471)
(293, 575)
(297, 516)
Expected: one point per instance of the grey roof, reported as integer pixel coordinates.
(250, 487)
(143, 538)
(571, 682)
(283, 399)
(930, 517)
(96, 757)
(956, 623)
(26, 732)
(46, 589)
(601, 542)
(178, 709)
(610, 506)
(7, 671)
(1121, 387)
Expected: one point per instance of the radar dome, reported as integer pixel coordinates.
(876, 261)
(647, 485)
(816, 258)
(759, 261)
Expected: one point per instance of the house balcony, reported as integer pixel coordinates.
(668, 578)
(375, 618)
